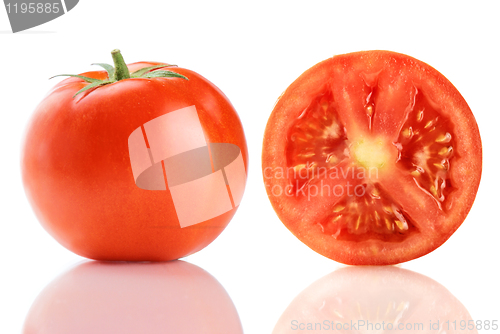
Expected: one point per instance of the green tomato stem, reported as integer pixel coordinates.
(121, 69)
(121, 72)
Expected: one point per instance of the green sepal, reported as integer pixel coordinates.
(86, 79)
(142, 71)
(110, 69)
(91, 86)
(120, 72)
(163, 74)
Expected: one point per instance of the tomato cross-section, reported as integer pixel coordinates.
(372, 158)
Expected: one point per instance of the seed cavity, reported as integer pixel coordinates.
(316, 140)
(369, 217)
(428, 153)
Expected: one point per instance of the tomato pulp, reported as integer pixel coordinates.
(128, 170)
(372, 158)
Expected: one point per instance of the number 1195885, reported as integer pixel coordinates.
(33, 7)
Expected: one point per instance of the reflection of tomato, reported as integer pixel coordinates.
(79, 173)
(372, 158)
(104, 298)
(375, 300)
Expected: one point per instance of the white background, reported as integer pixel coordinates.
(252, 51)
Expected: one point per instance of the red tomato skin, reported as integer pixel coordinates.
(301, 219)
(77, 174)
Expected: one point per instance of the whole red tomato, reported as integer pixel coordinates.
(372, 158)
(139, 162)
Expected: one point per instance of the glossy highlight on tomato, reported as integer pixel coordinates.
(372, 158)
(141, 162)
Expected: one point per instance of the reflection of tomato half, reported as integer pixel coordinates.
(150, 166)
(375, 300)
(372, 158)
(153, 298)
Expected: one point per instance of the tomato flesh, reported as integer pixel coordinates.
(373, 157)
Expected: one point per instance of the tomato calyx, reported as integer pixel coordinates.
(121, 69)
(120, 72)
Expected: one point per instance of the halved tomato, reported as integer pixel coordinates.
(372, 158)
